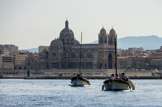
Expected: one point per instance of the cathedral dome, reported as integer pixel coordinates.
(57, 42)
(66, 32)
(76, 42)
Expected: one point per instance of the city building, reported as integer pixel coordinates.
(136, 49)
(41, 48)
(64, 52)
(13, 50)
(20, 61)
(156, 59)
(151, 59)
(6, 60)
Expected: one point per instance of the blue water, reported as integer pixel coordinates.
(58, 93)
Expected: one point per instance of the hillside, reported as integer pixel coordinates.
(147, 42)
(33, 50)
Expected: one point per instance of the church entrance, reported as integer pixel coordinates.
(110, 61)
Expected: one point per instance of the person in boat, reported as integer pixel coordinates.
(81, 75)
(112, 77)
(78, 75)
(123, 77)
(117, 77)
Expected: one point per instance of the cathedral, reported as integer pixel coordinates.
(64, 52)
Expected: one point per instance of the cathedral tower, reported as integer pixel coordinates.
(102, 37)
(111, 37)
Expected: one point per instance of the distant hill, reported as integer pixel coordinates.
(33, 50)
(147, 42)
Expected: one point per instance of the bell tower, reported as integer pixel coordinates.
(111, 37)
(102, 37)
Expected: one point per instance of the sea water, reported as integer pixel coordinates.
(58, 93)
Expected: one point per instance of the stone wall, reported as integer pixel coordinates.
(139, 73)
(68, 73)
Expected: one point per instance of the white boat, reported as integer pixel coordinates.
(117, 83)
(78, 80)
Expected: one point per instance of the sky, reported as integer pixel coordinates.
(32, 23)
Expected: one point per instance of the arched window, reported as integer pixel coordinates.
(46, 54)
(82, 55)
(105, 40)
(73, 55)
(101, 40)
(54, 54)
(89, 55)
(110, 41)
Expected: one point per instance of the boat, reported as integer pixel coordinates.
(78, 80)
(116, 83)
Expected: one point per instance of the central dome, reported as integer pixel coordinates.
(66, 32)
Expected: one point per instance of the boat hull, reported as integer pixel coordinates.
(79, 82)
(116, 85)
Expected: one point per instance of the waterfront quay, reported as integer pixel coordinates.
(68, 73)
